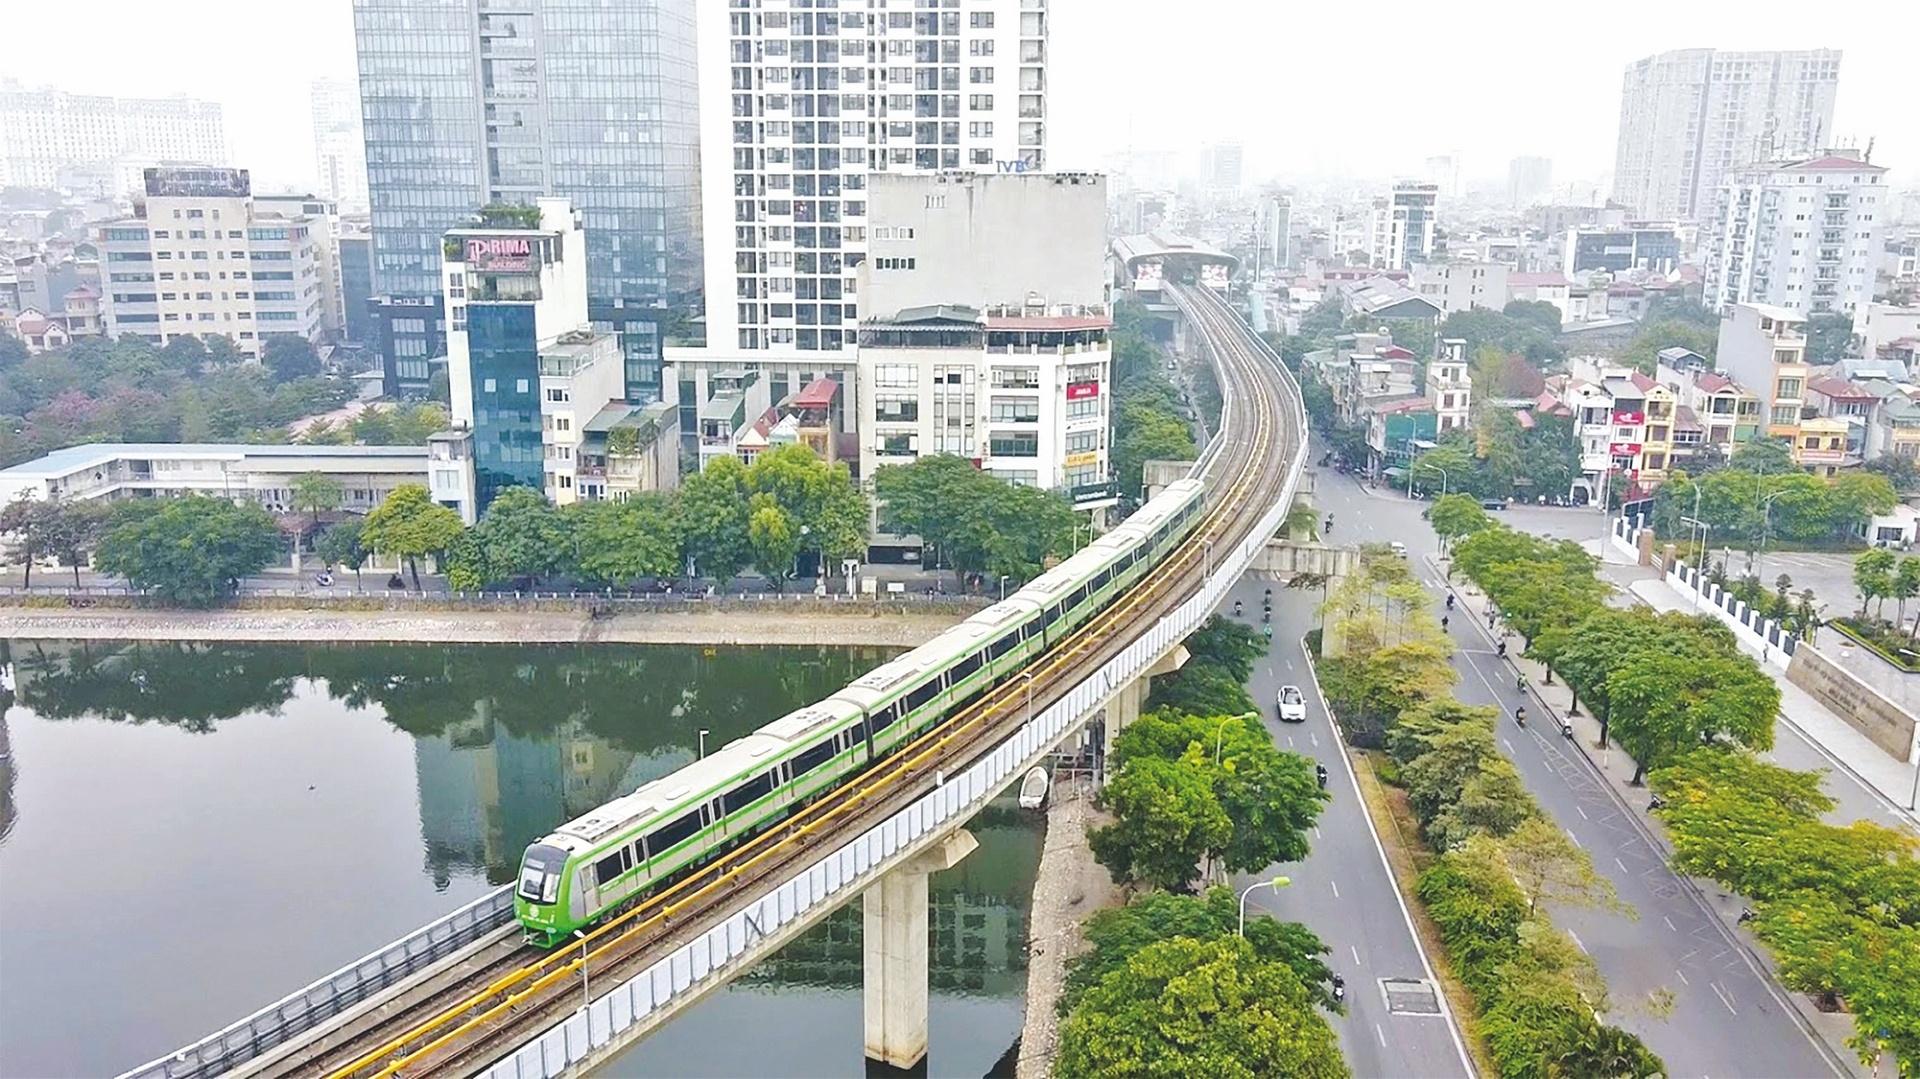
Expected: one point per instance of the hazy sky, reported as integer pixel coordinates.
(1311, 88)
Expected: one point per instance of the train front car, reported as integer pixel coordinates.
(541, 898)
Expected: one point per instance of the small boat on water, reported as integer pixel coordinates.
(1033, 789)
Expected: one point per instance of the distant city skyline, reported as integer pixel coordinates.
(1483, 90)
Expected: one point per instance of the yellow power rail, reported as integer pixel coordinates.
(799, 830)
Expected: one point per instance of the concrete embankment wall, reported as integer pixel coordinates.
(1864, 708)
(792, 622)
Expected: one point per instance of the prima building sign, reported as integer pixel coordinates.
(500, 254)
(187, 182)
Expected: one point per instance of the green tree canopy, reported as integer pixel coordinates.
(410, 525)
(975, 522)
(713, 515)
(1184, 1007)
(1116, 934)
(339, 545)
(317, 493)
(288, 356)
(520, 535)
(773, 539)
(1167, 819)
(191, 550)
(617, 542)
(1661, 705)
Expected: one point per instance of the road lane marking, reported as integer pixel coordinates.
(1670, 924)
(1335, 887)
(1583, 813)
(1621, 864)
(1289, 740)
(1289, 664)
(1356, 954)
(1316, 831)
(1578, 943)
(1508, 744)
(1724, 998)
(1380, 1035)
(1683, 977)
(1575, 838)
(1315, 737)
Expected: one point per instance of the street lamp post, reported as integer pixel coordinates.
(1206, 557)
(1276, 884)
(1766, 518)
(703, 743)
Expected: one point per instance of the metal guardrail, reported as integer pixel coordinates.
(307, 1008)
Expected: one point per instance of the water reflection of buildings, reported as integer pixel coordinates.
(485, 792)
(978, 925)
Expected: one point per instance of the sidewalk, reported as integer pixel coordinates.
(1847, 749)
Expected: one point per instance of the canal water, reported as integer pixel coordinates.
(189, 831)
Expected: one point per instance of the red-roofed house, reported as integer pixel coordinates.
(40, 332)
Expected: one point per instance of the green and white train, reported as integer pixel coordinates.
(592, 866)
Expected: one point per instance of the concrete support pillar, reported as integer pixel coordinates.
(1127, 702)
(894, 937)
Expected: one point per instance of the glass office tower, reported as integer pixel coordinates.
(471, 102)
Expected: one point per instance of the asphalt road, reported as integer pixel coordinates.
(1728, 1017)
(1343, 890)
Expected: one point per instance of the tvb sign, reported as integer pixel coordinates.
(1018, 164)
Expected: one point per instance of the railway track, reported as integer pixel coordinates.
(464, 1017)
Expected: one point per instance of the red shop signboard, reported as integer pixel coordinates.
(1080, 391)
(1630, 418)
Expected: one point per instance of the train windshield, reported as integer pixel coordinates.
(540, 873)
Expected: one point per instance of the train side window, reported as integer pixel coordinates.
(967, 665)
(813, 757)
(921, 696)
(747, 793)
(999, 648)
(609, 867)
(662, 839)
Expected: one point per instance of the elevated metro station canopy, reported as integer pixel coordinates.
(1144, 259)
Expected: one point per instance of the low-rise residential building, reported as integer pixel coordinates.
(1820, 445)
(1550, 287)
(40, 332)
(201, 256)
(1449, 388)
(1884, 327)
(1397, 429)
(243, 472)
(1764, 347)
(1637, 245)
(1895, 425)
(1726, 412)
(1380, 297)
(1462, 286)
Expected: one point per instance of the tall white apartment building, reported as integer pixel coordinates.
(1276, 231)
(46, 132)
(1690, 115)
(1403, 225)
(1802, 235)
(801, 101)
(199, 256)
(339, 144)
(985, 328)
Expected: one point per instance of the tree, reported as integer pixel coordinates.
(340, 545)
(1829, 337)
(1548, 867)
(713, 513)
(1643, 352)
(1167, 820)
(288, 356)
(27, 525)
(1873, 575)
(1538, 313)
(772, 538)
(1662, 705)
(975, 522)
(190, 550)
(1116, 934)
(616, 542)
(520, 535)
(824, 508)
(317, 493)
(1271, 797)
(411, 526)
(1456, 516)
(1184, 1007)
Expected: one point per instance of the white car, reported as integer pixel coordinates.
(1293, 705)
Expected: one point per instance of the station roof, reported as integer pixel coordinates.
(1161, 244)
